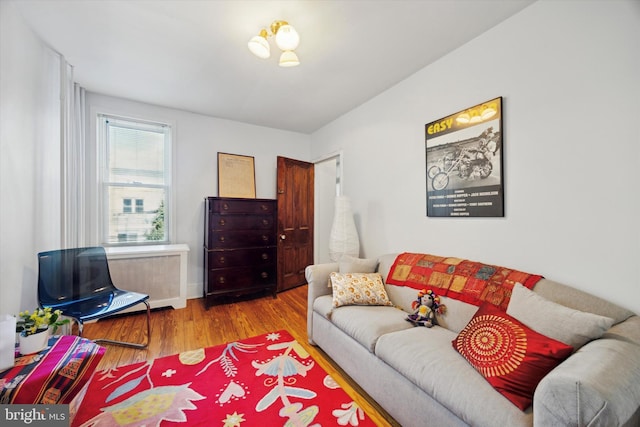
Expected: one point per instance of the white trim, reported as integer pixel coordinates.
(338, 156)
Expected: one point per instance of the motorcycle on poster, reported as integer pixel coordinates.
(464, 163)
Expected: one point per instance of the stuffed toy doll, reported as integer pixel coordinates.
(425, 308)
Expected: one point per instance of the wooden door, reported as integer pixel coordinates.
(295, 221)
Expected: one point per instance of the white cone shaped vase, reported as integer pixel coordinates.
(343, 239)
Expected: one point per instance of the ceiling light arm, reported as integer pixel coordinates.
(275, 26)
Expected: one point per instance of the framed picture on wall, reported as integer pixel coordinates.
(236, 176)
(464, 163)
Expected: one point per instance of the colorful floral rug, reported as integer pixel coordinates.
(268, 380)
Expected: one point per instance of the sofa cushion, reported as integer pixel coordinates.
(323, 305)
(556, 321)
(385, 262)
(512, 357)
(366, 324)
(580, 300)
(351, 264)
(358, 289)
(426, 358)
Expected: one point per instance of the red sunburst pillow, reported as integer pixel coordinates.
(512, 357)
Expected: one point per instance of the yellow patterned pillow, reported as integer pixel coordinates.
(358, 289)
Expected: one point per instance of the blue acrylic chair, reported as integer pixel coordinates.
(77, 282)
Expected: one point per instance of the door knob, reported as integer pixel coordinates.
(283, 237)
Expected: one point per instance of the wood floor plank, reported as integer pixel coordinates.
(194, 327)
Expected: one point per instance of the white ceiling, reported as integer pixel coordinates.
(192, 54)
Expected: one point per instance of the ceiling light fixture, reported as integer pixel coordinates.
(287, 39)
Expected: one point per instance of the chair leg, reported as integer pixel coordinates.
(80, 326)
(125, 343)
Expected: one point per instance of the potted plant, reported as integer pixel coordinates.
(33, 328)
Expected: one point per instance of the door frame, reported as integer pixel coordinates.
(324, 205)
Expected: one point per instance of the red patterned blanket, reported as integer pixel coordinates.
(268, 380)
(54, 375)
(465, 280)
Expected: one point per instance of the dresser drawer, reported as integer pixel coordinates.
(241, 278)
(223, 223)
(241, 239)
(242, 206)
(240, 222)
(242, 257)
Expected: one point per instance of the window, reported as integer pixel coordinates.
(126, 205)
(135, 180)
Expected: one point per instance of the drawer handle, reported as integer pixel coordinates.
(221, 238)
(264, 274)
(225, 206)
(265, 256)
(222, 221)
(265, 238)
(264, 207)
(265, 222)
(222, 260)
(221, 279)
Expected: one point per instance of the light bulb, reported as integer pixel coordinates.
(287, 37)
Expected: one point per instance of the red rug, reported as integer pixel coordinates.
(268, 380)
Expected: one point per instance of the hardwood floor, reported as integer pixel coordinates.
(193, 327)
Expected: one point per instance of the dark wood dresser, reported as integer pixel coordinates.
(240, 247)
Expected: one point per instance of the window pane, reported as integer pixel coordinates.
(141, 225)
(136, 156)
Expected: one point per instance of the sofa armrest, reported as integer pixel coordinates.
(596, 386)
(317, 276)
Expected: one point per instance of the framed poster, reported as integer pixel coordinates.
(236, 176)
(464, 163)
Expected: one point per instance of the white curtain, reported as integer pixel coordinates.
(73, 160)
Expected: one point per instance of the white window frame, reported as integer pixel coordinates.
(101, 225)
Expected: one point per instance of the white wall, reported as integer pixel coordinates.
(198, 139)
(29, 158)
(568, 72)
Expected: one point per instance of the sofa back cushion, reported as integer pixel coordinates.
(573, 327)
(384, 264)
(579, 300)
(351, 264)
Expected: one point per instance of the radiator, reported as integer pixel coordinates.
(158, 271)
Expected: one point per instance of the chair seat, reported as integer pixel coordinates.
(102, 305)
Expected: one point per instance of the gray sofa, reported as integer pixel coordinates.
(416, 375)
